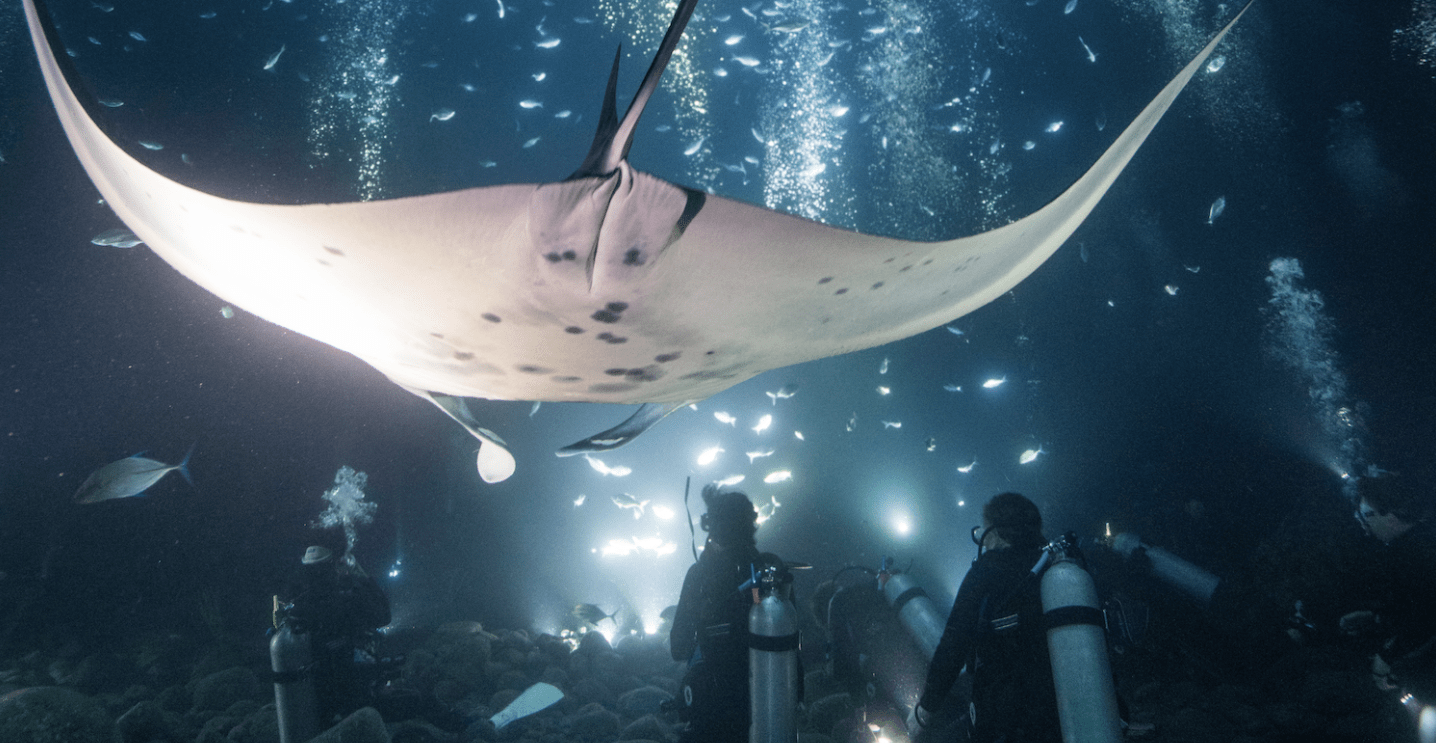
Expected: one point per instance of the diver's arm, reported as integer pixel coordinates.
(684, 636)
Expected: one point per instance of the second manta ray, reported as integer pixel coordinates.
(610, 286)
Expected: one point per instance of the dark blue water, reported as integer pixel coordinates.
(1157, 412)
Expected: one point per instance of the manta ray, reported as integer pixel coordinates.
(611, 285)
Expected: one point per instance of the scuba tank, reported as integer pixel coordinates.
(918, 615)
(773, 673)
(1172, 570)
(295, 702)
(1077, 644)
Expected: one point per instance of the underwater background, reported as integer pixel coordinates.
(1166, 381)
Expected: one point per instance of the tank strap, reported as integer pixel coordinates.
(1063, 616)
(778, 644)
(906, 596)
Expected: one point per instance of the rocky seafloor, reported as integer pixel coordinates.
(168, 689)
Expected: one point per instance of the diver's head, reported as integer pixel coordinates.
(731, 519)
(1013, 519)
(317, 554)
(1388, 506)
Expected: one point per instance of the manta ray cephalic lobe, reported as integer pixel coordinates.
(609, 286)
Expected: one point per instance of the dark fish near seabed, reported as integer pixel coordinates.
(128, 477)
(591, 614)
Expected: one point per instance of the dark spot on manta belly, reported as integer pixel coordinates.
(566, 379)
(491, 317)
(611, 312)
(878, 285)
(927, 262)
(824, 280)
(664, 358)
(569, 255)
(323, 262)
(615, 372)
(843, 290)
(908, 267)
(531, 369)
(552, 257)
(708, 374)
(648, 373)
(634, 257)
(335, 251)
(611, 387)
(463, 356)
(611, 338)
(573, 330)
(437, 335)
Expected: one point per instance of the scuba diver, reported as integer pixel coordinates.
(339, 608)
(996, 630)
(1391, 511)
(710, 625)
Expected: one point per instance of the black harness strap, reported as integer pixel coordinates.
(1063, 616)
(779, 644)
(906, 596)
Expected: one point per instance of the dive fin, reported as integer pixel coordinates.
(647, 415)
(536, 698)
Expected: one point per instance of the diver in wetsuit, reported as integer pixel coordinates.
(339, 608)
(996, 631)
(710, 626)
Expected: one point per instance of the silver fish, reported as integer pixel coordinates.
(127, 478)
(274, 58)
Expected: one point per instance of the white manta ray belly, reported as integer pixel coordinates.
(613, 286)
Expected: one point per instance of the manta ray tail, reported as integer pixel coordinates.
(647, 415)
(613, 138)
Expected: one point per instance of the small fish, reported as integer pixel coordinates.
(468, 87)
(891, 424)
(792, 27)
(725, 418)
(758, 136)
(967, 467)
(102, 7)
(471, 17)
(1091, 55)
(579, 500)
(751, 160)
(539, 76)
(1071, 6)
(731, 40)
(779, 476)
(1082, 251)
(601, 467)
(151, 145)
(783, 393)
(952, 387)
(488, 163)
(208, 15)
(692, 149)
(763, 424)
(884, 390)
(564, 114)
(729, 481)
(137, 36)
(954, 330)
(116, 238)
(226, 312)
(547, 43)
(443, 114)
(838, 111)
(1171, 289)
(815, 170)
(501, 8)
(1029, 145)
(720, 72)
(588, 613)
(931, 444)
(1216, 63)
(535, 408)
(1030, 456)
(1218, 206)
(752, 455)
(852, 422)
(531, 142)
(345, 95)
(628, 501)
(128, 477)
(883, 367)
(993, 383)
(799, 435)
(707, 456)
(274, 58)
(1054, 127)
(747, 61)
(530, 103)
